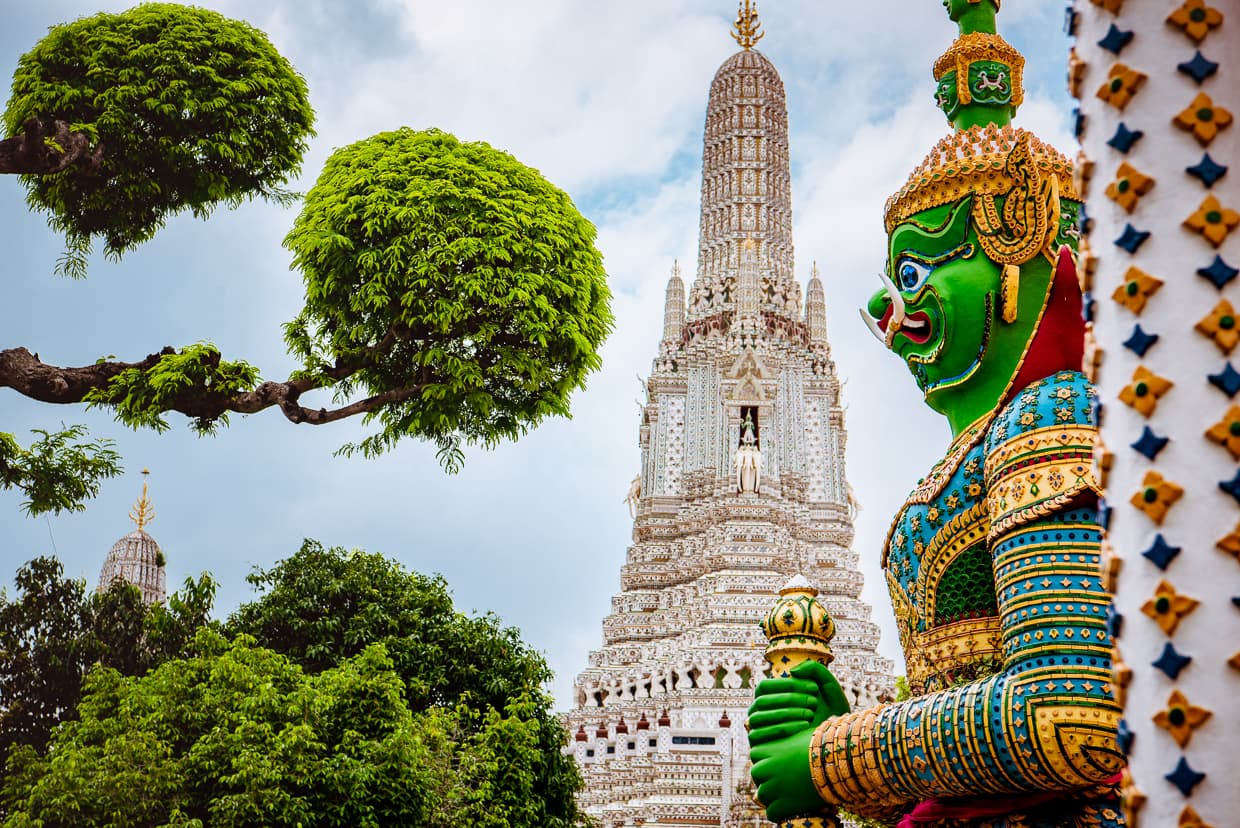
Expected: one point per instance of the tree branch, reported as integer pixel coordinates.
(29, 376)
(46, 147)
(25, 373)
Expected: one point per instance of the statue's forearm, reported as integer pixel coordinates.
(1046, 723)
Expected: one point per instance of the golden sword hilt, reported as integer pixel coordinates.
(799, 629)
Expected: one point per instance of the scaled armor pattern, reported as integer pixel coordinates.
(658, 722)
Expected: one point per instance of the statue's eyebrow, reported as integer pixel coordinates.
(931, 241)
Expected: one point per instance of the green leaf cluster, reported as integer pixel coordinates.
(192, 109)
(323, 605)
(141, 396)
(453, 272)
(52, 631)
(351, 693)
(59, 471)
(239, 735)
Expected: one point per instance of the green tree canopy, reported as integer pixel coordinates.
(323, 605)
(52, 631)
(460, 288)
(452, 293)
(236, 736)
(125, 119)
(363, 698)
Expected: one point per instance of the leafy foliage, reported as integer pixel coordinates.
(903, 691)
(59, 471)
(387, 707)
(192, 109)
(322, 606)
(239, 735)
(452, 271)
(452, 293)
(53, 631)
(140, 396)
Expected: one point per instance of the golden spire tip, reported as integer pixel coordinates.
(142, 512)
(747, 30)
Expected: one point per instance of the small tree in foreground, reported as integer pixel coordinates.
(452, 293)
(351, 693)
(52, 631)
(323, 605)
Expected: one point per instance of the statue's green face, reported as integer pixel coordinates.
(951, 334)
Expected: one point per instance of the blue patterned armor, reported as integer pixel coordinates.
(992, 565)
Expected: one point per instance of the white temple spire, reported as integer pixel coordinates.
(746, 187)
(674, 306)
(816, 307)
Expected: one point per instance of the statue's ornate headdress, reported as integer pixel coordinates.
(979, 88)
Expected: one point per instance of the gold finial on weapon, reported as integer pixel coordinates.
(799, 629)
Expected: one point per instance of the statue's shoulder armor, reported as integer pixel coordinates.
(1039, 450)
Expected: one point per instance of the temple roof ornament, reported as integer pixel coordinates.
(136, 558)
(142, 512)
(747, 30)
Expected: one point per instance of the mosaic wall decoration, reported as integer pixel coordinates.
(1161, 142)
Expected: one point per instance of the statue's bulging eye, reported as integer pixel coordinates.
(912, 274)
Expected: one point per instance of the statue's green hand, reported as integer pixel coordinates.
(785, 706)
(782, 721)
(781, 772)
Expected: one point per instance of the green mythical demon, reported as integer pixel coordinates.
(993, 561)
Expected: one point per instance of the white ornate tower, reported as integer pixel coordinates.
(741, 487)
(136, 557)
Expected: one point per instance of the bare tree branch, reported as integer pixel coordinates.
(25, 373)
(46, 147)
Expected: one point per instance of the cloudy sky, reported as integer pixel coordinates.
(608, 101)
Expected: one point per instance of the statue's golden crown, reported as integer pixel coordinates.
(973, 161)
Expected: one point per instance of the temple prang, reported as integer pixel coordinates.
(136, 558)
(741, 487)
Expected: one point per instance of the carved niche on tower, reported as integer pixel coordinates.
(750, 416)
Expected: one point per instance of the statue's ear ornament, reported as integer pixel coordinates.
(1009, 292)
(1030, 217)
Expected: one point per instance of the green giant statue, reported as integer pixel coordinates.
(993, 561)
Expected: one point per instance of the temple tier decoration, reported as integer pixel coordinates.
(992, 563)
(741, 486)
(136, 558)
(1158, 85)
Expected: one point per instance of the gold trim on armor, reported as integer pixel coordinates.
(1036, 473)
(952, 646)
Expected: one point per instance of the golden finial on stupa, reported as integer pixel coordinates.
(747, 29)
(142, 512)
